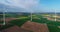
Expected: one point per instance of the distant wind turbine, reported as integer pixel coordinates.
(31, 15)
(55, 15)
(4, 16)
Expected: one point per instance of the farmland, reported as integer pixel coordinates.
(20, 18)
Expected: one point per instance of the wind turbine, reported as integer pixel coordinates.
(4, 16)
(31, 15)
(55, 15)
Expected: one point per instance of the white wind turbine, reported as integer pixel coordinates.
(55, 15)
(4, 16)
(31, 15)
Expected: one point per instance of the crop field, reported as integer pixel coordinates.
(20, 18)
(49, 20)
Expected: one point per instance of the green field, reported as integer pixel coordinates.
(39, 18)
(52, 25)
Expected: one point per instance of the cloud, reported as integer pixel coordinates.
(27, 4)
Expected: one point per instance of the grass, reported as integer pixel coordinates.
(6, 26)
(19, 22)
(53, 28)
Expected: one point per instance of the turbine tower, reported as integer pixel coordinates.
(31, 15)
(4, 18)
(55, 15)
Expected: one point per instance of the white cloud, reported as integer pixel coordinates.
(33, 5)
(27, 4)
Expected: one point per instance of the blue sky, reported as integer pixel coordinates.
(51, 4)
(34, 5)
